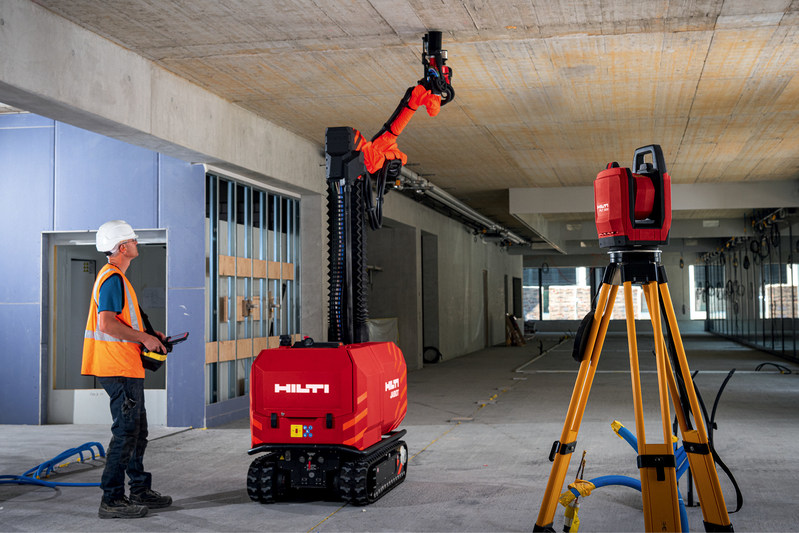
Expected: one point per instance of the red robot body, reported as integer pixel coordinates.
(348, 395)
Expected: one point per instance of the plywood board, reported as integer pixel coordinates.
(243, 267)
(259, 344)
(211, 355)
(258, 268)
(223, 309)
(243, 348)
(227, 265)
(287, 271)
(241, 308)
(227, 350)
(273, 270)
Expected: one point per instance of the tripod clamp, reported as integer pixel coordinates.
(636, 265)
(561, 448)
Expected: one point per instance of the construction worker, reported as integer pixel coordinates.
(112, 352)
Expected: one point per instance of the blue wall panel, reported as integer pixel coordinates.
(25, 120)
(19, 384)
(100, 179)
(26, 175)
(185, 372)
(26, 196)
(182, 210)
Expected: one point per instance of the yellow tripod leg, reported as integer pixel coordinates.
(672, 382)
(655, 461)
(562, 449)
(695, 442)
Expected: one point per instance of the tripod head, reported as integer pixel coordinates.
(634, 209)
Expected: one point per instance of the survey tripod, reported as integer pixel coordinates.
(636, 260)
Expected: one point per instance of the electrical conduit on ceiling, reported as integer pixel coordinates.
(443, 197)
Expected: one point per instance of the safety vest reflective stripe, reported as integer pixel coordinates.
(100, 336)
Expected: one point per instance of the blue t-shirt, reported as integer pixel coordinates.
(112, 295)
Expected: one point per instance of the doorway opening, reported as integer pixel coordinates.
(430, 331)
(71, 264)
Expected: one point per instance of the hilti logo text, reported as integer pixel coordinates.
(295, 388)
(602, 207)
(393, 386)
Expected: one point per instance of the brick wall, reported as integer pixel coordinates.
(782, 301)
(571, 302)
(619, 312)
(531, 303)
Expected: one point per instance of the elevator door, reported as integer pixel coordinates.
(73, 303)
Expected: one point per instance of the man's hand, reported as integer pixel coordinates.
(153, 344)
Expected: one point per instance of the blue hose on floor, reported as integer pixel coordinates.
(680, 459)
(34, 475)
(626, 481)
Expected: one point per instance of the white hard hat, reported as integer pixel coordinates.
(112, 233)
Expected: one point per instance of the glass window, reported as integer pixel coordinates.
(531, 294)
(752, 294)
(566, 294)
(556, 293)
(696, 281)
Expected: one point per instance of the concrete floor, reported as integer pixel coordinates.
(480, 428)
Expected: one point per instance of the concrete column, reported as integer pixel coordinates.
(313, 266)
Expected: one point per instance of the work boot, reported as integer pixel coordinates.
(151, 498)
(121, 508)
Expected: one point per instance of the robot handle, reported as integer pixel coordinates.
(640, 164)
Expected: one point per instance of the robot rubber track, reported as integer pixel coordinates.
(359, 478)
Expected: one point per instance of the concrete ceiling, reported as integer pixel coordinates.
(547, 91)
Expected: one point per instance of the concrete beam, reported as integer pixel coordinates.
(550, 232)
(684, 197)
(684, 228)
(694, 228)
(57, 69)
(582, 238)
(735, 195)
(550, 200)
(530, 205)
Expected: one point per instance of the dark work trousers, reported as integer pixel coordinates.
(128, 440)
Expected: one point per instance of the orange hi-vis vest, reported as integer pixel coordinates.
(104, 355)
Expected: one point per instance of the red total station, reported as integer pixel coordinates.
(634, 209)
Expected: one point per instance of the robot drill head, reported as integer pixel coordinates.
(437, 76)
